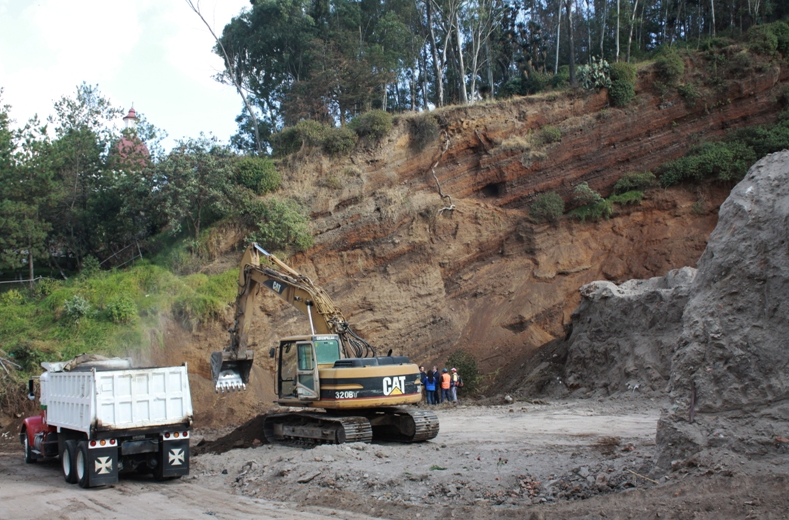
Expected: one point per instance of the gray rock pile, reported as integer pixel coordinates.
(730, 374)
(716, 338)
(624, 336)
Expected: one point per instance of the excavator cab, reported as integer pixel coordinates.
(298, 363)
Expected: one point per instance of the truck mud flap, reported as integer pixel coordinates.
(101, 465)
(173, 458)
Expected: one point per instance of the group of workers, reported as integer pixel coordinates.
(439, 387)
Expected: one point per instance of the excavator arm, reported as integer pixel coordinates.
(230, 368)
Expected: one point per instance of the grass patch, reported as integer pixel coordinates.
(117, 311)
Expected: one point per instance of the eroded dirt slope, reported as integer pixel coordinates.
(483, 276)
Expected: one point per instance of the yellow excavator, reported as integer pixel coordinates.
(350, 394)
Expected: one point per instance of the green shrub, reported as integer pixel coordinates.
(27, 356)
(781, 31)
(595, 211)
(635, 181)
(121, 309)
(339, 141)
(291, 140)
(594, 76)
(583, 195)
(537, 82)
(719, 160)
(76, 308)
(628, 197)
(621, 93)
(90, 266)
(332, 182)
(669, 66)
(467, 370)
(512, 87)
(11, 297)
(762, 40)
(689, 93)
(783, 96)
(374, 124)
(424, 130)
(592, 205)
(281, 225)
(623, 71)
(561, 78)
(258, 174)
(550, 134)
(547, 207)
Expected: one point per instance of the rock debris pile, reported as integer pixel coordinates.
(714, 338)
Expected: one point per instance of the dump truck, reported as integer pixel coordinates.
(103, 417)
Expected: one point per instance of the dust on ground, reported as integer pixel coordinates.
(556, 459)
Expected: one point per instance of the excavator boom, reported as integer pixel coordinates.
(230, 367)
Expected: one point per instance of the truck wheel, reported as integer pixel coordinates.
(81, 465)
(30, 457)
(67, 456)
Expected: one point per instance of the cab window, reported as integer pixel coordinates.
(327, 351)
(305, 356)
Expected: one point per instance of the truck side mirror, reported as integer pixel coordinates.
(30, 394)
(272, 352)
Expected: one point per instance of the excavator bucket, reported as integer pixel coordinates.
(230, 371)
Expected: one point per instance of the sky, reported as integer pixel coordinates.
(153, 54)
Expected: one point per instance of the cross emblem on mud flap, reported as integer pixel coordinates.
(103, 465)
(176, 457)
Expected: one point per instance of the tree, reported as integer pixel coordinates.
(195, 182)
(23, 190)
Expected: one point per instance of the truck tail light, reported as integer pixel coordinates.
(92, 443)
(186, 434)
(112, 441)
(166, 435)
(103, 442)
(176, 435)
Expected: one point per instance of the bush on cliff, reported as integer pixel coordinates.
(258, 174)
(374, 124)
(592, 205)
(635, 181)
(669, 66)
(547, 207)
(729, 159)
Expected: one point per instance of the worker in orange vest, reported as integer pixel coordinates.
(446, 384)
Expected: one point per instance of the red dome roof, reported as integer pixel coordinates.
(132, 114)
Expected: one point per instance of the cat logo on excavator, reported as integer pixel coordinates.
(394, 385)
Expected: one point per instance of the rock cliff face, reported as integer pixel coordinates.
(483, 276)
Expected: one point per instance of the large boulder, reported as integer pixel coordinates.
(624, 336)
(730, 373)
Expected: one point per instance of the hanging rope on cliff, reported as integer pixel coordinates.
(450, 206)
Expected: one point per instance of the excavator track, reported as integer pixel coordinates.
(403, 425)
(311, 429)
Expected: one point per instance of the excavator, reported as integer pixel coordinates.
(347, 392)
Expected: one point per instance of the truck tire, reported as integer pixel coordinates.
(30, 457)
(81, 465)
(67, 461)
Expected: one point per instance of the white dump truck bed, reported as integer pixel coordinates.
(83, 400)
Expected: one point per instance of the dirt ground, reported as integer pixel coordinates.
(564, 459)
